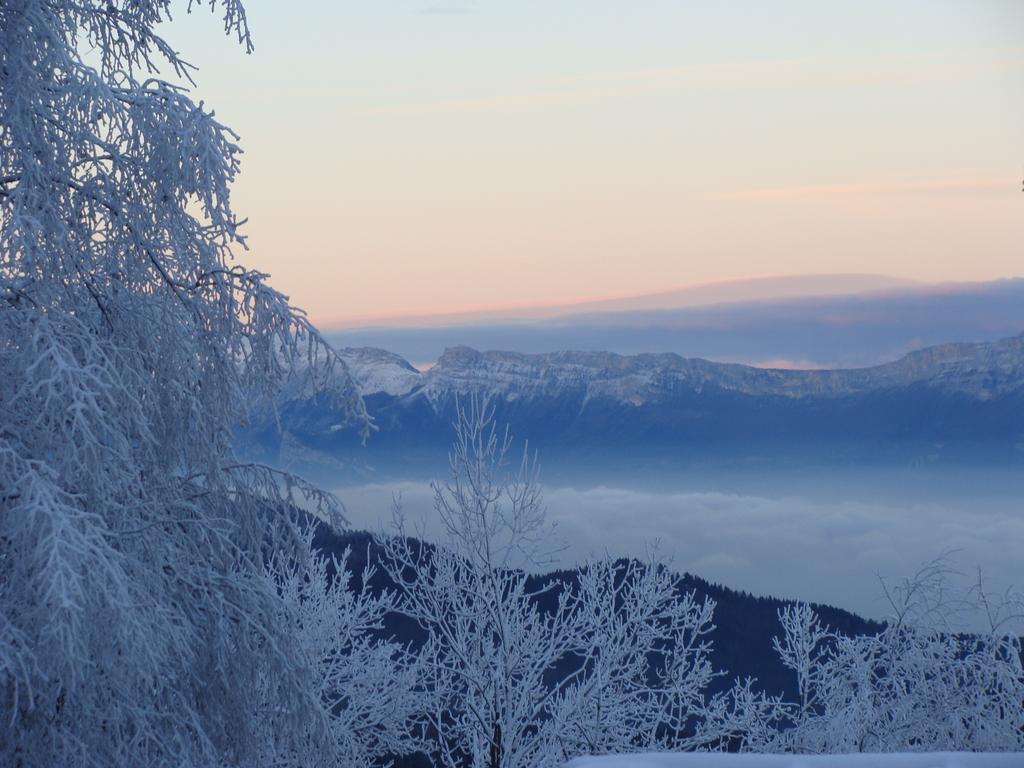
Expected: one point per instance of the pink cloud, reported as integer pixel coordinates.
(871, 189)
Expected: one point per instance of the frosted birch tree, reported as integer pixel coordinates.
(136, 626)
(531, 671)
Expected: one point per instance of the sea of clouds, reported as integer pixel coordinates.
(828, 551)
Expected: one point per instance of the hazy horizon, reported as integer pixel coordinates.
(725, 291)
(766, 323)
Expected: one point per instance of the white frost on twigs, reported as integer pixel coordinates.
(135, 624)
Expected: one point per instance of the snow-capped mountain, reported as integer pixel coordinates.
(948, 403)
(983, 371)
(377, 371)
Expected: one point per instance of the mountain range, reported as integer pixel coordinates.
(957, 402)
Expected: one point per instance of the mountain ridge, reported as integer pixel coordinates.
(594, 415)
(981, 369)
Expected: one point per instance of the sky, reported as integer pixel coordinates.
(406, 157)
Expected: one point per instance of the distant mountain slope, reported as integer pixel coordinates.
(959, 403)
(376, 371)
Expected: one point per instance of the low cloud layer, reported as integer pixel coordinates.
(823, 551)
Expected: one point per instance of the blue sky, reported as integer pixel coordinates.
(412, 157)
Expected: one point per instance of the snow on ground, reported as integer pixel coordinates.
(722, 760)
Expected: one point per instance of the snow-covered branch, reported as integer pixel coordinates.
(529, 671)
(135, 622)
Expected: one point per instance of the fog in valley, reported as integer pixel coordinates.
(824, 535)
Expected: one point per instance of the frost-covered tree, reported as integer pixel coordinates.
(647, 670)
(531, 671)
(368, 684)
(915, 686)
(136, 626)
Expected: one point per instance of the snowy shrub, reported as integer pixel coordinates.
(915, 686)
(368, 685)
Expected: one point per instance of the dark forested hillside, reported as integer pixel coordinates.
(744, 624)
